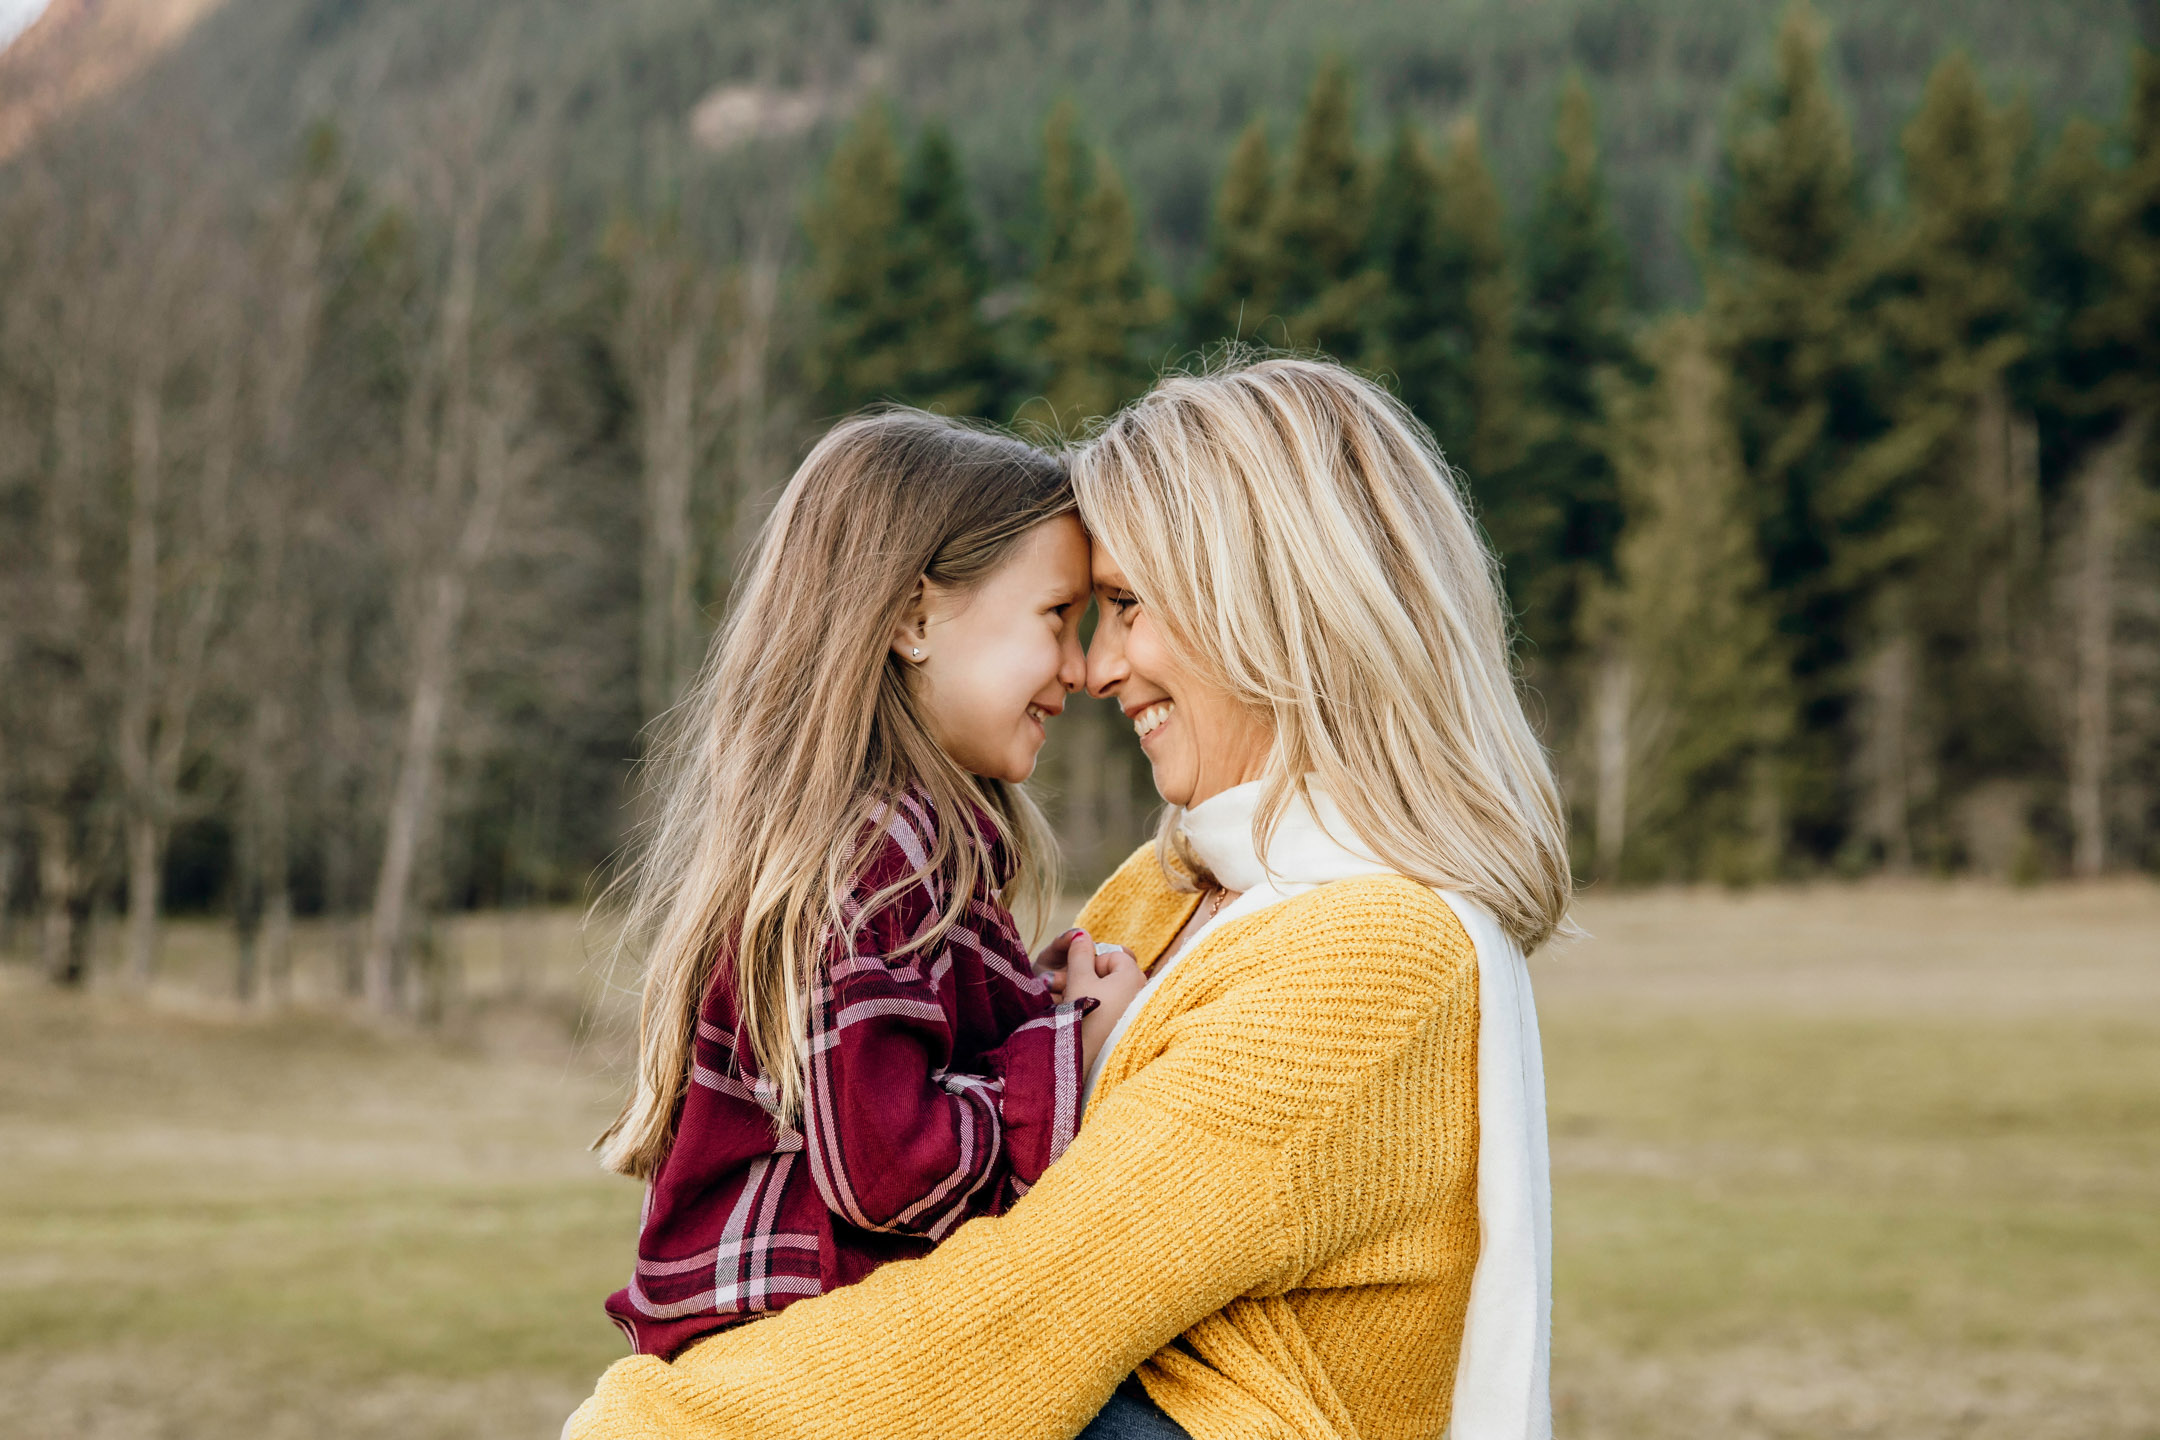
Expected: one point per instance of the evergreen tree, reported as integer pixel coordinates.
(2130, 221)
(955, 368)
(1236, 292)
(898, 278)
(859, 269)
(1093, 300)
(1555, 516)
(1944, 557)
(1318, 231)
(1702, 696)
(2108, 516)
(1789, 279)
(1445, 318)
(2076, 344)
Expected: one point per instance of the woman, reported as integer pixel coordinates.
(1307, 1198)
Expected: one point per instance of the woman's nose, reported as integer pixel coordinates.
(1105, 664)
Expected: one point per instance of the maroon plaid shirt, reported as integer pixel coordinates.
(938, 1086)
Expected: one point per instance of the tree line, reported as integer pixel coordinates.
(1852, 567)
(354, 530)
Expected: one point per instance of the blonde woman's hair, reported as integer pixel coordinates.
(800, 725)
(1297, 539)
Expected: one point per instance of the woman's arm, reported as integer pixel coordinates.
(1017, 1327)
(1186, 1190)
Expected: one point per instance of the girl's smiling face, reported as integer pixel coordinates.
(1199, 739)
(998, 660)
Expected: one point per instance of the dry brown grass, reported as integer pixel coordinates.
(1873, 1161)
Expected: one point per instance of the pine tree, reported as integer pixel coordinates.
(898, 278)
(1236, 293)
(1702, 700)
(1789, 278)
(1318, 230)
(955, 368)
(859, 269)
(1945, 557)
(1445, 318)
(2076, 346)
(1555, 516)
(2132, 218)
(1093, 301)
(2106, 541)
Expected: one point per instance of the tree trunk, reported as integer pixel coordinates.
(62, 888)
(286, 352)
(446, 451)
(145, 850)
(2099, 488)
(8, 861)
(1885, 750)
(138, 694)
(2004, 476)
(748, 406)
(668, 574)
(336, 786)
(1612, 698)
(494, 471)
(64, 910)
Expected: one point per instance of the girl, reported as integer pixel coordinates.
(844, 1052)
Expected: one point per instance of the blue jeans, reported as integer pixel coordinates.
(1130, 1415)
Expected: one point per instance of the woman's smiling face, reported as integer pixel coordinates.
(1198, 738)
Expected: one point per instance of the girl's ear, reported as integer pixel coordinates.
(910, 637)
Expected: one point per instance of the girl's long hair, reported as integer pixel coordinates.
(1300, 542)
(801, 724)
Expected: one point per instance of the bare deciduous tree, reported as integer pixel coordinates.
(472, 439)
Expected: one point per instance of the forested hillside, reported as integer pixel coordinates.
(388, 391)
(1167, 85)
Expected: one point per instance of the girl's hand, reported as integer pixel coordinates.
(1107, 974)
(1050, 962)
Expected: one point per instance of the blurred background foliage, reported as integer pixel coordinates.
(388, 392)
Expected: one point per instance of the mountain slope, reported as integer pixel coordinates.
(1165, 84)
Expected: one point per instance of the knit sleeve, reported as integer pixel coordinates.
(1193, 1183)
(1016, 1328)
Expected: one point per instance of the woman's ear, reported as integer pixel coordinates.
(910, 636)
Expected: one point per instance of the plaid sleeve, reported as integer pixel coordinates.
(898, 1140)
(1038, 1074)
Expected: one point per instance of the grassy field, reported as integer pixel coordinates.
(1839, 1162)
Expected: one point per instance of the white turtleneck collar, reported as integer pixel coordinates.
(1311, 843)
(1502, 1386)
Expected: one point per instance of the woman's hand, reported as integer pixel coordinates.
(1108, 974)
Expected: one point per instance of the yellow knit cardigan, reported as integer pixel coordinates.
(1270, 1211)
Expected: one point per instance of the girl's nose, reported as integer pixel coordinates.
(1072, 666)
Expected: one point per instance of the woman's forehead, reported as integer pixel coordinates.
(1104, 565)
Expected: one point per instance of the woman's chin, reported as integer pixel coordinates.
(1172, 782)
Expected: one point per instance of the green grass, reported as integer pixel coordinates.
(1842, 1162)
(1858, 1163)
(220, 1224)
